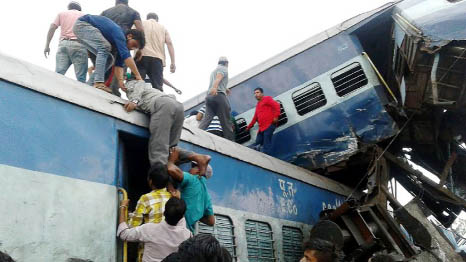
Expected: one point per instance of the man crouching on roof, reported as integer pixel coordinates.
(166, 123)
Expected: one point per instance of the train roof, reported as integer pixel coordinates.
(306, 44)
(44, 81)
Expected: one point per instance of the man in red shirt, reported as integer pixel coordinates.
(267, 113)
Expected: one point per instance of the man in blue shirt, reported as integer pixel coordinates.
(193, 190)
(106, 40)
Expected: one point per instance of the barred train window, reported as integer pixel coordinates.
(292, 244)
(242, 135)
(283, 118)
(349, 79)
(259, 237)
(223, 231)
(309, 98)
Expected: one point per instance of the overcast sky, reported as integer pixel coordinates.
(247, 32)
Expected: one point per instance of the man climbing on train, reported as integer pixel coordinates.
(165, 125)
(193, 190)
(162, 239)
(110, 45)
(267, 114)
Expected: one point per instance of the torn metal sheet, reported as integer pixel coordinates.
(437, 22)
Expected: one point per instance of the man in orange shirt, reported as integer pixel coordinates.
(267, 114)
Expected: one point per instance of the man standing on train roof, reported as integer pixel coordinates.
(125, 17)
(267, 114)
(216, 100)
(102, 37)
(193, 190)
(70, 51)
(151, 59)
(165, 122)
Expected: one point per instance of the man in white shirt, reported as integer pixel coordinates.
(162, 239)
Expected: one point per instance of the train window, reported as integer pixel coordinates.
(309, 98)
(242, 135)
(283, 118)
(292, 243)
(223, 231)
(349, 79)
(259, 237)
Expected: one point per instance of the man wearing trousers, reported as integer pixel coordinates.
(217, 102)
(166, 123)
(151, 59)
(106, 40)
(70, 51)
(267, 114)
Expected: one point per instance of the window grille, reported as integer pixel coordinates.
(223, 231)
(349, 79)
(259, 237)
(292, 244)
(309, 98)
(283, 118)
(242, 134)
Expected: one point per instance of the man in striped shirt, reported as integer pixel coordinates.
(214, 127)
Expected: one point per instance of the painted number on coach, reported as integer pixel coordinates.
(287, 205)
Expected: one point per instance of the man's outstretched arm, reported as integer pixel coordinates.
(173, 170)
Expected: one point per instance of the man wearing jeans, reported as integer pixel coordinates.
(267, 114)
(106, 40)
(70, 51)
(217, 102)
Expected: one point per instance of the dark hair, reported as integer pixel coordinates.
(383, 258)
(260, 89)
(222, 62)
(153, 16)
(200, 248)
(158, 174)
(125, 2)
(74, 6)
(4, 257)
(138, 36)
(226, 256)
(173, 257)
(174, 210)
(325, 250)
(193, 113)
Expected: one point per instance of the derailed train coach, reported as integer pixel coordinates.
(66, 149)
(333, 99)
(392, 78)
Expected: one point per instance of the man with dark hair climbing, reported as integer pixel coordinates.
(70, 51)
(193, 190)
(318, 250)
(162, 239)
(125, 17)
(150, 206)
(107, 41)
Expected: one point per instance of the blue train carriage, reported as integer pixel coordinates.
(331, 94)
(66, 148)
